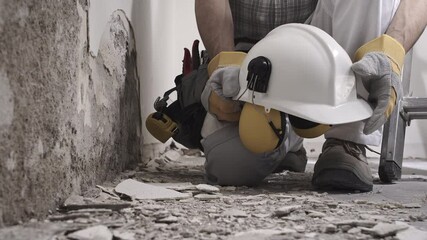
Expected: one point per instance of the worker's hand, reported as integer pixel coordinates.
(217, 96)
(378, 66)
(383, 84)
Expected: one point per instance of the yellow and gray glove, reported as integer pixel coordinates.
(223, 85)
(378, 67)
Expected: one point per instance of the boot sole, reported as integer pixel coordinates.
(340, 179)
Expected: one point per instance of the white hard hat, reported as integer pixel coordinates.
(301, 70)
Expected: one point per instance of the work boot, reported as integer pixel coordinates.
(342, 165)
(293, 161)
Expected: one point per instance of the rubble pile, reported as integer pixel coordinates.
(167, 199)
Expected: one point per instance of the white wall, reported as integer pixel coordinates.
(163, 28)
(416, 135)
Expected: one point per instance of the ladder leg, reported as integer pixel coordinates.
(394, 134)
(390, 168)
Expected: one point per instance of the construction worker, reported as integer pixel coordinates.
(356, 25)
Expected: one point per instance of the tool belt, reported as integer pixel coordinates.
(183, 119)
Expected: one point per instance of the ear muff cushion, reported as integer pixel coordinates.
(160, 126)
(255, 132)
(307, 129)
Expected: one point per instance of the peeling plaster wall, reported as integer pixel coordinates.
(67, 120)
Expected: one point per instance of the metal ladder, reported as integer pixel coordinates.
(409, 108)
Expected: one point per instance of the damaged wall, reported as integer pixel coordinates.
(67, 120)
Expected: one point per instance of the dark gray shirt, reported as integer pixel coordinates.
(253, 19)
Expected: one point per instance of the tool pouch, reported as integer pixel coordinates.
(183, 119)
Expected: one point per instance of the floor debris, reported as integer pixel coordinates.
(174, 202)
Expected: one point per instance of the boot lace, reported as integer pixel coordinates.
(354, 149)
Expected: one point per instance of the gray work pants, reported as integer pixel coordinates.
(228, 162)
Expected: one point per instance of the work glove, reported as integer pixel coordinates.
(223, 85)
(378, 67)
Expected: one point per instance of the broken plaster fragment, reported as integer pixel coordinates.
(108, 191)
(384, 229)
(167, 220)
(143, 191)
(99, 232)
(330, 228)
(123, 235)
(207, 188)
(285, 211)
(315, 214)
(357, 223)
(172, 155)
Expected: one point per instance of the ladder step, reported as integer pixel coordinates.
(416, 115)
(413, 105)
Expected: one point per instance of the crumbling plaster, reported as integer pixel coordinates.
(68, 120)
